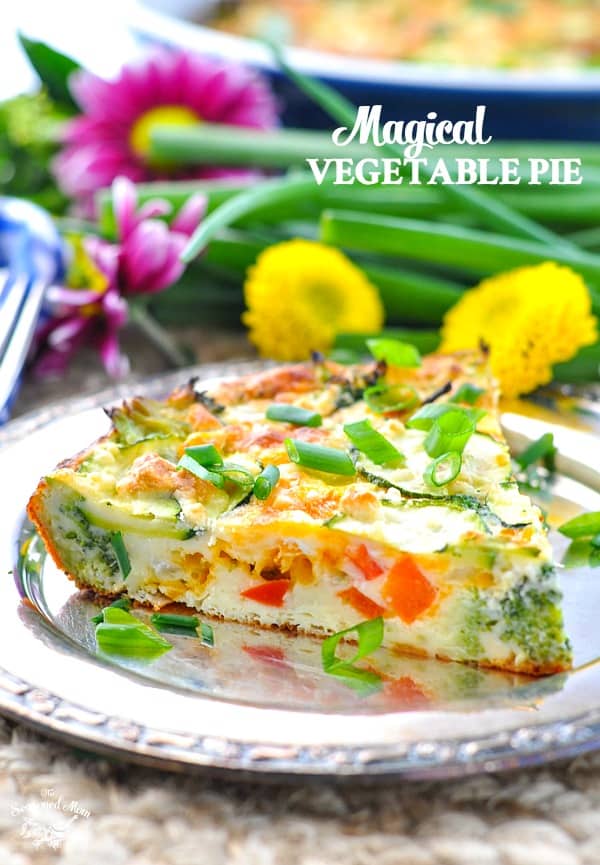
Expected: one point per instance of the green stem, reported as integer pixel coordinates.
(405, 294)
(208, 144)
(270, 192)
(494, 213)
(159, 337)
(584, 367)
(212, 144)
(474, 251)
(587, 238)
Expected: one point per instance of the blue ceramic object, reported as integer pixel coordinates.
(550, 105)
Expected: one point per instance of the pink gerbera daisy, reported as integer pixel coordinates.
(112, 135)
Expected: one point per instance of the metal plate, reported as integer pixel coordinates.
(258, 701)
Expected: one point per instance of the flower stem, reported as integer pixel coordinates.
(157, 335)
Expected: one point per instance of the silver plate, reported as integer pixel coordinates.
(258, 701)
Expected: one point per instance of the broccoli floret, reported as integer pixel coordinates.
(477, 620)
(533, 620)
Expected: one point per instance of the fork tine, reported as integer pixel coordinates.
(11, 362)
(14, 290)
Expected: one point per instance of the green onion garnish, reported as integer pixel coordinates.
(207, 635)
(468, 393)
(443, 469)
(382, 398)
(583, 526)
(191, 465)
(580, 553)
(265, 482)
(174, 623)
(293, 414)
(426, 416)
(120, 633)
(130, 640)
(118, 545)
(320, 458)
(542, 449)
(123, 603)
(205, 455)
(372, 444)
(450, 432)
(370, 638)
(394, 352)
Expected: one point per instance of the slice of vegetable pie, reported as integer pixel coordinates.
(314, 497)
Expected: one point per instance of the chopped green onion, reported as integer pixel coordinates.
(581, 553)
(443, 469)
(425, 417)
(364, 682)
(120, 633)
(238, 475)
(205, 455)
(191, 465)
(382, 398)
(469, 393)
(293, 414)
(130, 640)
(394, 352)
(123, 603)
(119, 616)
(583, 526)
(542, 449)
(320, 458)
(265, 482)
(450, 432)
(370, 637)
(207, 635)
(595, 541)
(118, 545)
(372, 444)
(174, 622)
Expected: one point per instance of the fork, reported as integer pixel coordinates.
(31, 259)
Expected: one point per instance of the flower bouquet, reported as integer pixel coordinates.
(183, 202)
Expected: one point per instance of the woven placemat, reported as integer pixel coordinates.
(58, 805)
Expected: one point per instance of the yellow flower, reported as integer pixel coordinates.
(531, 319)
(300, 294)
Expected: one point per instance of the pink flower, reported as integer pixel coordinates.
(85, 317)
(145, 260)
(149, 249)
(111, 136)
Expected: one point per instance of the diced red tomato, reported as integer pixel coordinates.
(271, 592)
(365, 562)
(407, 591)
(406, 694)
(267, 654)
(367, 608)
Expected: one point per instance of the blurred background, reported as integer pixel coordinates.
(226, 122)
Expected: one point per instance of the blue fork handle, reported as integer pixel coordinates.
(32, 252)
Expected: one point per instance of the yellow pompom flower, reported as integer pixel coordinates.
(300, 294)
(531, 318)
